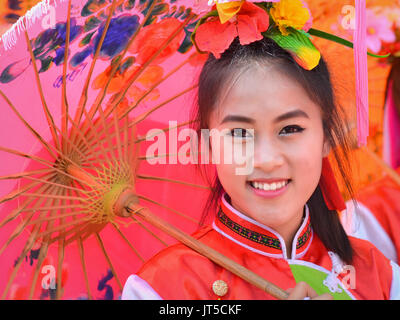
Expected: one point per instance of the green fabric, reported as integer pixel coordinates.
(315, 279)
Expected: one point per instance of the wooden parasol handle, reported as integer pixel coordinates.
(127, 204)
(207, 251)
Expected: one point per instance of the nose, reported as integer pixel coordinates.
(268, 155)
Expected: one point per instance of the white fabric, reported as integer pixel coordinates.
(395, 288)
(136, 288)
(361, 223)
(332, 281)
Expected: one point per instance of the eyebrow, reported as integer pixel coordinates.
(291, 114)
(237, 118)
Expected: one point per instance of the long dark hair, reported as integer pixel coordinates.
(217, 74)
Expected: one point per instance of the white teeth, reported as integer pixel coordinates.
(267, 187)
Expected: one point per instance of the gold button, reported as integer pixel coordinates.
(220, 288)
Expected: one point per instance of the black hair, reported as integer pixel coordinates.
(217, 73)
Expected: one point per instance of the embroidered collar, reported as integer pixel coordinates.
(257, 237)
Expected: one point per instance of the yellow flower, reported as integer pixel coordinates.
(290, 13)
(227, 10)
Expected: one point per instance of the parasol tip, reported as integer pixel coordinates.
(126, 199)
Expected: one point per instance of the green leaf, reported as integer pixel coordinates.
(298, 43)
(332, 37)
(87, 38)
(91, 23)
(45, 64)
(186, 43)
(158, 10)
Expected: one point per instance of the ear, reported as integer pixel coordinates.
(326, 148)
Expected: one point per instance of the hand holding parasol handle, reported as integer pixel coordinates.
(134, 208)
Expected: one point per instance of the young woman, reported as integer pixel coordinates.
(278, 219)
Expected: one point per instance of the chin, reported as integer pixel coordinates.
(269, 218)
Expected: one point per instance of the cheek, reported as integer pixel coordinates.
(306, 160)
(227, 175)
(231, 159)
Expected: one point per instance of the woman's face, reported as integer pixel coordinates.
(288, 147)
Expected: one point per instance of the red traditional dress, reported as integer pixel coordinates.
(180, 273)
(376, 217)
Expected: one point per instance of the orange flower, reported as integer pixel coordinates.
(149, 76)
(151, 37)
(121, 108)
(147, 79)
(248, 23)
(136, 93)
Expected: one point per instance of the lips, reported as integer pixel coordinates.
(271, 189)
(269, 186)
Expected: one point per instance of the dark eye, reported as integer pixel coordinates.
(240, 133)
(291, 129)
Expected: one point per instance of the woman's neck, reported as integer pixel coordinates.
(287, 231)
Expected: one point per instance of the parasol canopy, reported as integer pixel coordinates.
(78, 98)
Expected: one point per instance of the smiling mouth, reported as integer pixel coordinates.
(275, 186)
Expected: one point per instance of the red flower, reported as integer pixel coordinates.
(149, 40)
(250, 21)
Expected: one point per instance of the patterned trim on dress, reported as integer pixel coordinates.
(256, 236)
(304, 238)
(248, 233)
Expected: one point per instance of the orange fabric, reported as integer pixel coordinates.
(382, 199)
(180, 273)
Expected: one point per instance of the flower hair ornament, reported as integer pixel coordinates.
(289, 24)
